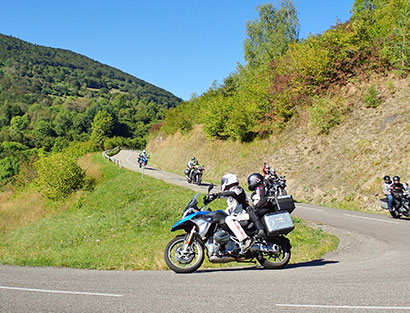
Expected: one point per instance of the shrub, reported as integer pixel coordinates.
(9, 166)
(59, 175)
(324, 114)
(371, 99)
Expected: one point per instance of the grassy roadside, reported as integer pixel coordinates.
(122, 224)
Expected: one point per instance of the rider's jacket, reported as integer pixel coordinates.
(386, 188)
(397, 190)
(191, 164)
(260, 200)
(236, 200)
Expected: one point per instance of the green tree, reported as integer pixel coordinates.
(101, 126)
(59, 175)
(270, 35)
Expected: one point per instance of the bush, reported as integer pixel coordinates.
(324, 114)
(59, 175)
(371, 99)
(9, 166)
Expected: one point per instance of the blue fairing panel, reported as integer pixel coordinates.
(187, 218)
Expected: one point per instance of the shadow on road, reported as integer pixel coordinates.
(317, 262)
(313, 263)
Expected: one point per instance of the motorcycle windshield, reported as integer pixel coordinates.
(187, 218)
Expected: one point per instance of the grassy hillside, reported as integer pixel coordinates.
(122, 224)
(343, 167)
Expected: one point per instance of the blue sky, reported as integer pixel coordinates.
(181, 45)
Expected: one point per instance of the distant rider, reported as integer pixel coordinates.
(236, 208)
(143, 154)
(397, 190)
(192, 164)
(387, 192)
(260, 201)
(270, 176)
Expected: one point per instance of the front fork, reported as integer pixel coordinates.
(189, 240)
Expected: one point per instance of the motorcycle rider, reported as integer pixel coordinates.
(270, 176)
(236, 208)
(387, 192)
(260, 201)
(397, 190)
(142, 155)
(192, 164)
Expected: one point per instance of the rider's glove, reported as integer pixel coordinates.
(212, 197)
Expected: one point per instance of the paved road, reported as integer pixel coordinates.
(368, 273)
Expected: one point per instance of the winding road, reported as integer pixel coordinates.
(369, 272)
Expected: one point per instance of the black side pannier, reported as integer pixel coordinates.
(284, 203)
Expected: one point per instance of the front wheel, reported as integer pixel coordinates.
(276, 259)
(183, 259)
(395, 214)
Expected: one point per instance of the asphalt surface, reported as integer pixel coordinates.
(369, 272)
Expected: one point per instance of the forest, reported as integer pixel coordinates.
(51, 99)
(284, 75)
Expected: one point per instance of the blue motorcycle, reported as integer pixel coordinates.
(142, 160)
(207, 233)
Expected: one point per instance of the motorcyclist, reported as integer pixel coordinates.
(236, 208)
(387, 192)
(260, 201)
(270, 176)
(192, 164)
(397, 190)
(142, 155)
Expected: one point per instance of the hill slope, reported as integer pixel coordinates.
(56, 93)
(344, 167)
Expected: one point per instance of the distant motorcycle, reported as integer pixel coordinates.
(196, 175)
(142, 160)
(277, 187)
(399, 209)
(207, 233)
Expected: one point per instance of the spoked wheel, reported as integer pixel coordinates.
(184, 261)
(277, 259)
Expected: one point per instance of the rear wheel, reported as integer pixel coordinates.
(183, 259)
(277, 259)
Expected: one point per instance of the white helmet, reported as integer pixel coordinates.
(143, 151)
(228, 180)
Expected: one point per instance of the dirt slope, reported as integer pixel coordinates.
(345, 167)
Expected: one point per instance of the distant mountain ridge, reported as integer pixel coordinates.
(30, 60)
(50, 95)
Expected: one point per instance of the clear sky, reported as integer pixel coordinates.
(179, 45)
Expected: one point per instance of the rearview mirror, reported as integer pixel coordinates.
(210, 187)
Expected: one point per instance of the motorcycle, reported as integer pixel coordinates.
(277, 187)
(403, 209)
(207, 233)
(196, 176)
(142, 160)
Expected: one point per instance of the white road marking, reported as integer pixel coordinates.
(357, 307)
(306, 208)
(128, 159)
(64, 292)
(369, 218)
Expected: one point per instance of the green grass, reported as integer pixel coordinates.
(123, 224)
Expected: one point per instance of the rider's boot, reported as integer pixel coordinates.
(245, 245)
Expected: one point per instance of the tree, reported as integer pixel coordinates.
(101, 128)
(269, 36)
